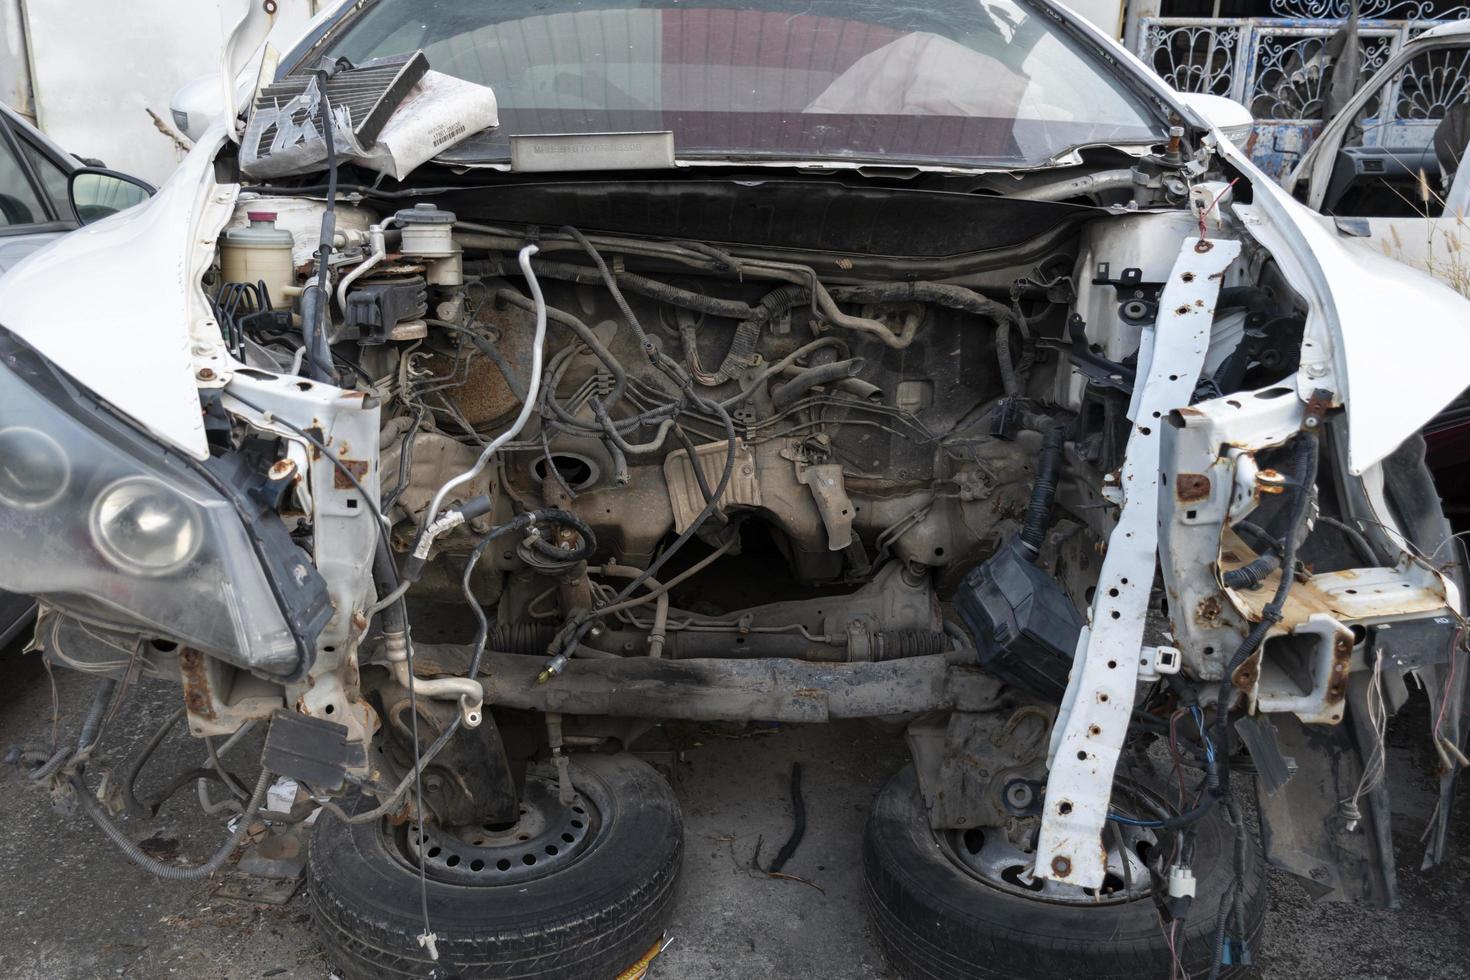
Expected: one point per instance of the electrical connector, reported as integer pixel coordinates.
(1181, 882)
(1236, 952)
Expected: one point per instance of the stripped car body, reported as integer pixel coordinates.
(805, 365)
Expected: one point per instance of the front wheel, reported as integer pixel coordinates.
(563, 893)
(956, 905)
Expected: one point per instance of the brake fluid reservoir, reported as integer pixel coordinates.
(428, 233)
(259, 252)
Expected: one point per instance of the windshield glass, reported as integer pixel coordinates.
(955, 82)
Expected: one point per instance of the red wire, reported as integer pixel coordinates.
(1205, 212)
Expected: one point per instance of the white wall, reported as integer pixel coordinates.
(99, 65)
(15, 71)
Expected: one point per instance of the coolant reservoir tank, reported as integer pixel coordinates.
(259, 252)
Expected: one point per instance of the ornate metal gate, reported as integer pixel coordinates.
(1280, 66)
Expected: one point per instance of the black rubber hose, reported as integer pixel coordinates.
(395, 616)
(489, 348)
(130, 775)
(650, 350)
(687, 298)
(1044, 491)
(1251, 575)
(1009, 383)
(798, 830)
(814, 377)
(652, 288)
(940, 294)
(1252, 299)
(546, 549)
(85, 738)
(171, 872)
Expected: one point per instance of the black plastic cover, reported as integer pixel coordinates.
(311, 750)
(374, 309)
(1024, 624)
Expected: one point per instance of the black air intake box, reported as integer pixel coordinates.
(1024, 624)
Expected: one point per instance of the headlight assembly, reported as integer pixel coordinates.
(143, 526)
(109, 525)
(33, 468)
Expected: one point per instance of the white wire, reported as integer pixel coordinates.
(1373, 767)
(533, 390)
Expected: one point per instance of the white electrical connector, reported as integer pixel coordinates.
(1154, 662)
(1181, 882)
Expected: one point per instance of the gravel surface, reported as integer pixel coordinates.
(73, 908)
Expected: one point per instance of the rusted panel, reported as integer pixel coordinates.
(1189, 487)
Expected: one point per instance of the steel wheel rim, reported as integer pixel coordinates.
(989, 855)
(546, 839)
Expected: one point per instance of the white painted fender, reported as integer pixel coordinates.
(1390, 341)
(119, 307)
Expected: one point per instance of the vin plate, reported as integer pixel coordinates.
(591, 151)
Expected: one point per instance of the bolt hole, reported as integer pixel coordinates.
(502, 865)
(1081, 756)
(434, 852)
(551, 849)
(1064, 807)
(568, 838)
(452, 861)
(477, 865)
(528, 860)
(577, 824)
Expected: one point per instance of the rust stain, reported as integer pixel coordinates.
(1061, 866)
(196, 684)
(357, 467)
(1191, 486)
(1342, 652)
(1244, 677)
(1207, 613)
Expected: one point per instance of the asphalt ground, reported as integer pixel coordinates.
(73, 907)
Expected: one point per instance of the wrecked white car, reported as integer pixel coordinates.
(746, 361)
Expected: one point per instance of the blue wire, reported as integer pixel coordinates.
(1199, 720)
(1132, 822)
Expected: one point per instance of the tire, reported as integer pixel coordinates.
(937, 921)
(591, 918)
